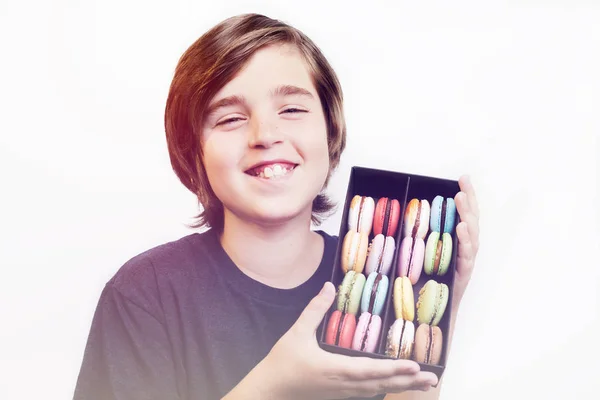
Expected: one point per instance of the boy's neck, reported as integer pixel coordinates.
(282, 256)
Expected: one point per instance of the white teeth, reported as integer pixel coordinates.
(274, 171)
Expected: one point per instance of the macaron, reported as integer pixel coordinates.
(443, 214)
(433, 298)
(350, 292)
(410, 259)
(438, 253)
(360, 218)
(374, 293)
(380, 254)
(400, 339)
(340, 329)
(416, 218)
(428, 344)
(404, 300)
(387, 215)
(354, 251)
(367, 332)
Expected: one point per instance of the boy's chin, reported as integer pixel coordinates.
(277, 217)
(273, 213)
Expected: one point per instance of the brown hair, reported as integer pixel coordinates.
(206, 66)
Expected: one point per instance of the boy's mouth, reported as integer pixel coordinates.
(273, 170)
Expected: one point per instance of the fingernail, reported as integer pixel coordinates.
(431, 379)
(412, 366)
(325, 288)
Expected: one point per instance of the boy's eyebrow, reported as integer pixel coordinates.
(226, 102)
(280, 91)
(290, 90)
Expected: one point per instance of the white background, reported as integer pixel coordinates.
(505, 91)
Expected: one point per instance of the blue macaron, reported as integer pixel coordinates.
(374, 293)
(443, 209)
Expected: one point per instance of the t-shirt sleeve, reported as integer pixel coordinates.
(127, 355)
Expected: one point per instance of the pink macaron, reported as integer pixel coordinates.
(340, 329)
(380, 254)
(367, 332)
(411, 258)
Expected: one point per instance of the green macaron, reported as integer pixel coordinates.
(438, 253)
(433, 298)
(350, 292)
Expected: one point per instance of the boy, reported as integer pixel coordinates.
(255, 128)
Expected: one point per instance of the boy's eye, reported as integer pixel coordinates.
(229, 121)
(293, 110)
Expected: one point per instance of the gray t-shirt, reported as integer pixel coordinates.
(181, 321)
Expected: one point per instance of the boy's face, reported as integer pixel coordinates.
(265, 146)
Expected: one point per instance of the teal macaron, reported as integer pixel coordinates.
(350, 292)
(443, 214)
(374, 293)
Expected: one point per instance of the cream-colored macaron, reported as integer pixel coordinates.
(404, 301)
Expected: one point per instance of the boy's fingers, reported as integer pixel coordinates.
(313, 314)
(365, 368)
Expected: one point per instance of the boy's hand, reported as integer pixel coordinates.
(468, 238)
(297, 368)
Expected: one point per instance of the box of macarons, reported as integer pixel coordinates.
(394, 268)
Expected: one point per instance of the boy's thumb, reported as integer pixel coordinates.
(313, 314)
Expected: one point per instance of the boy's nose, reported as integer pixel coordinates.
(264, 134)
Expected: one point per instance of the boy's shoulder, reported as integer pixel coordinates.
(141, 275)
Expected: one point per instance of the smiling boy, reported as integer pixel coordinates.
(255, 128)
